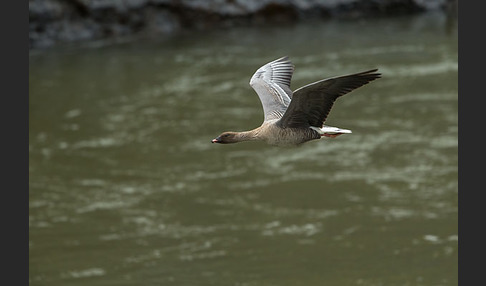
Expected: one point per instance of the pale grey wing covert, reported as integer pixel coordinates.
(312, 103)
(272, 84)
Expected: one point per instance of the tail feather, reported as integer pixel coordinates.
(329, 130)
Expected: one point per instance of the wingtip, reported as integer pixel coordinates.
(376, 71)
(282, 59)
(372, 72)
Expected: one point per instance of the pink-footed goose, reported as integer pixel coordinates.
(298, 117)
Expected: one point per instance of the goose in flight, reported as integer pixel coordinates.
(292, 118)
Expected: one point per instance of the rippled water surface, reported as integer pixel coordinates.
(126, 188)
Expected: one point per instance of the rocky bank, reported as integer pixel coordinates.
(61, 21)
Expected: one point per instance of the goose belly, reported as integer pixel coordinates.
(292, 136)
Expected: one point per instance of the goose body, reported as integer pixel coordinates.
(293, 118)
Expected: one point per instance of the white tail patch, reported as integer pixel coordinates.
(329, 130)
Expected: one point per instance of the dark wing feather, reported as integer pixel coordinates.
(312, 103)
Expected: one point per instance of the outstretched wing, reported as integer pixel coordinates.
(311, 104)
(272, 84)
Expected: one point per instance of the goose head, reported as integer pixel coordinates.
(226, 137)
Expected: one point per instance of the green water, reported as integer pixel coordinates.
(127, 189)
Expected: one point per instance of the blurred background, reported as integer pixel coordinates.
(125, 187)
